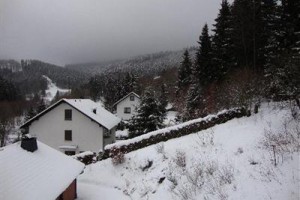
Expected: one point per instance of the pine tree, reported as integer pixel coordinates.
(163, 100)
(193, 102)
(31, 112)
(243, 33)
(203, 70)
(185, 71)
(149, 116)
(222, 44)
(41, 106)
(285, 70)
(290, 22)
(129, 83)
(269, 33)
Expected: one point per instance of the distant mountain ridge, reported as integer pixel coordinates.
(149, 64)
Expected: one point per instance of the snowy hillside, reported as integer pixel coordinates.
(53, 89)
(234, 161)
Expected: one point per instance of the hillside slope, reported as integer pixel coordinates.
(234, 160)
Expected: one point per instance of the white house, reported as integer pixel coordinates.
(73, 126)
(39, 173)
(125, 108)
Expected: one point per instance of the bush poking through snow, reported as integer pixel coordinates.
(226, 174)
(172, 178)
(240, 150)
(160, 148)
(196, 176)
(180, 159)
(211, 168)
(117, 156)
(280, 143)
(86, 157)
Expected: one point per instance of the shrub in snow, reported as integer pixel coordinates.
(195, 176)
(180, 159)
(160, 148)
(86, 157)
(284, 142)
(117, 156)
(239, 150)
(226, 174)
(172, 178)
(211, 168)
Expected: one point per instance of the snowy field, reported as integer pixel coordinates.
(233, 161)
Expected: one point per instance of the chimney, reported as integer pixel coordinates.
(29, 144)
(95, 110)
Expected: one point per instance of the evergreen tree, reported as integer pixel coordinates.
(222, 44)
(149, 116)
(290, 26)
(269, 33)
(8, 91)
(284, 70)
(130, 83)
(185, 71)
(203, 70)
(31, 112)
(243, 32)
(41, 106)
(163, 100)
(192, 103)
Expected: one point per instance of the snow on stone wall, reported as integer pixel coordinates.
(176, 131)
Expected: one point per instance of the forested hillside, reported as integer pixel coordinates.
(28, 75)
(150, 64)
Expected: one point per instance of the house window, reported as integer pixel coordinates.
(131, 98)
(127, 110)
(68, 114)
(68, 135)
(70, 153)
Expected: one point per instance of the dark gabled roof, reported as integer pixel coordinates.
(126, 97)
(86, 107)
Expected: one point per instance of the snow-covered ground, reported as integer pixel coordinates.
(53, 89)
(234, 161)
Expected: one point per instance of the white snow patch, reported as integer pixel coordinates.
(230, 147)
(53, 89)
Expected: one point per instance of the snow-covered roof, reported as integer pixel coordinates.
(86, 107)
(42, 174)
(131, 93)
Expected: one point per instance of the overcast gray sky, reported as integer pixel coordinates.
(77, 31)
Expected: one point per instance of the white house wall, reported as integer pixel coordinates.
(127, 103)
(50, 129)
